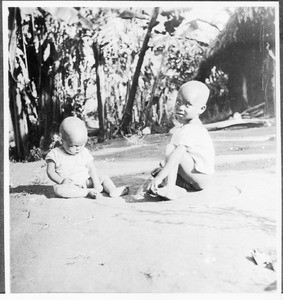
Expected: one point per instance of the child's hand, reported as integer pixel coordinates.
(153, 185)
(67, 181)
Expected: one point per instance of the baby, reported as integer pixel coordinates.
(72, 168)
(189, 157)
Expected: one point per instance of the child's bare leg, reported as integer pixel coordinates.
(187, 171)
(69, 191)
(169, 149)
(110, 188)
(171, 178)
(168, 191)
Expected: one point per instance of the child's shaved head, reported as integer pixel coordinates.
(73, 128)
(195, 90)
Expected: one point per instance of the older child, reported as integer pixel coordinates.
(189, 157)
(72, 168)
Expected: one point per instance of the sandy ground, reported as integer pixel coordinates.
(200, 243)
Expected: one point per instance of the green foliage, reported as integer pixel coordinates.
(174, 19)
(35, 154)
(27, 43)
(218, 105)
(256, 14)
(58, 76)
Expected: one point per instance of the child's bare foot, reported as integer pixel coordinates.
(171, 194)
(166, 193)
(119, 191)
(92, 193)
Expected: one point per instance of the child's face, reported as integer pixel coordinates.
(74, 144)
(187, 107)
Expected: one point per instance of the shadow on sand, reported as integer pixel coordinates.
(147, 198)
(35, 189)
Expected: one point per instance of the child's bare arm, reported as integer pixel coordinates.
(52, 174)
(94, 176)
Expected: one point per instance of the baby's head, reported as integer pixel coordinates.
(73, 133)
(191, 100)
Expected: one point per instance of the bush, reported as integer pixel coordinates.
(35, 154)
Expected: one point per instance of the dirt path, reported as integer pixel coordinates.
(117, 245)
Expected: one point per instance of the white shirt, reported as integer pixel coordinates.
(198, 143)
(71, 166)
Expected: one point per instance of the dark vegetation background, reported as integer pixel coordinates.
(119, 69)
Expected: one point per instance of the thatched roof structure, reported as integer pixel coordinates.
(246, 26)
(243, 50)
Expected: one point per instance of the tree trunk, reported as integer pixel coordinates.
(127, 117)
(16, 101)
(155, 85)
(160, 112)
(236, 74)
(50, 112)
(268, 78)
(253, 71)
(235, 87)
(100, 104)
(19, 120)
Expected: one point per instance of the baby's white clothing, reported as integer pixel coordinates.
(198, 143)
(71, 166)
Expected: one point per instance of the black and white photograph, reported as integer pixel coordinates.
(142, 147)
